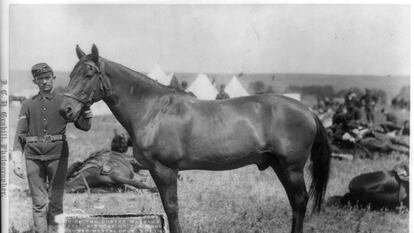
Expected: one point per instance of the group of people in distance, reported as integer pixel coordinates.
(221, 95)
(353, 134)
(350, 133)
(400, 103)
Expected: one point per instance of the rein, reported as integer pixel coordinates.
(85, 182)
(104, 86)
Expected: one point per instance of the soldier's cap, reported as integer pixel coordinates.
(41, 68)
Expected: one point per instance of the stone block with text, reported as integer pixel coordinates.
(129, 223)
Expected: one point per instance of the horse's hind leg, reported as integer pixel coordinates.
(291, 177)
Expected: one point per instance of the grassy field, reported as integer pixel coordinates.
(241, 200)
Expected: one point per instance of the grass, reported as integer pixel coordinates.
(241, 200)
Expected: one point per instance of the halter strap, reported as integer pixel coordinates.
(104, 83)
(83, 101)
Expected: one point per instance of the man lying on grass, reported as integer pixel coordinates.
(106, 171)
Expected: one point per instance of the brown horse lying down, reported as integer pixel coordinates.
(104, 170)
(380, 189)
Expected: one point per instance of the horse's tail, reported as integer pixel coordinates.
(320, 163)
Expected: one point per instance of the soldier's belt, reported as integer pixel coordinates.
(45, 138)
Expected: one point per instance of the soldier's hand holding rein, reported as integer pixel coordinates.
(17, 163)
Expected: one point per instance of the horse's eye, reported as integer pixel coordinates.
(89, 74)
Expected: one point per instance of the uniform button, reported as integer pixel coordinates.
(44, 119)
(44, 130)
(44, 109)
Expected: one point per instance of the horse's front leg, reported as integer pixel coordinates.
(166, 180)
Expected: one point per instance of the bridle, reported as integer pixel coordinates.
(104, 85)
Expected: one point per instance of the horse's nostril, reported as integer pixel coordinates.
(68, 110)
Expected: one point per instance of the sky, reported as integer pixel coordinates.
(327, 39)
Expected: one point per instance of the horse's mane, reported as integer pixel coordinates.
(142, 77)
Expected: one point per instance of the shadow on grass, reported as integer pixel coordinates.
(13, 229)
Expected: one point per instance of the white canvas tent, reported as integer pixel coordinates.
(166, 80)
(202, 88)
(235, 89)
(100, 109)
(295, 96)
(157, 74)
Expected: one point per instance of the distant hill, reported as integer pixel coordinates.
(390, 84)
(21, 80)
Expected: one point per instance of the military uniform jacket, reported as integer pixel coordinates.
(39, 116)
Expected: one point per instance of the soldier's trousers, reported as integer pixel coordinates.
(46, 182)
(369, 112)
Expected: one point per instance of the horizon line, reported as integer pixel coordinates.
(249, 73)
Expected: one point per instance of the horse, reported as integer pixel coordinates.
(172, 130)
(106, 170)
(103, 169)
(379, 189)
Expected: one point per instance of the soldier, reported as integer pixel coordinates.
(222, 95)
(184, 85)
(40, 134)
(369, 102)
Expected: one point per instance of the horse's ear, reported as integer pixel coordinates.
(95, 53)
(79, 52)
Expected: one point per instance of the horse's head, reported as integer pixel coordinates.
(88, 84)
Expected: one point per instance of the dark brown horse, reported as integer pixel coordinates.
(172, 130)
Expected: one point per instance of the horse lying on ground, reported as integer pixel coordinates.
(104, 171)
(380, 189)
(172, 131)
